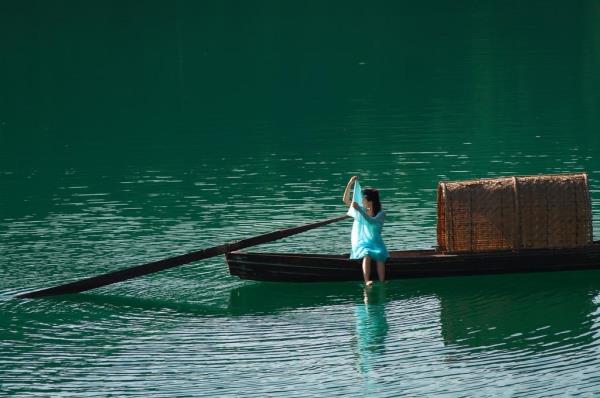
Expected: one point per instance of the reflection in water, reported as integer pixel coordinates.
(438, 333)
(505, 313)
(371, 327)
(479, 312)
(250, 299)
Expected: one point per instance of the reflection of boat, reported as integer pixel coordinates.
(409, 264)
(267, 298)
(540, 312)
(515, 312)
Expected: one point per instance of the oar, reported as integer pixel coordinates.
(155, 266)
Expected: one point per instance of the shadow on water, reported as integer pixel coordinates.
(141, 304)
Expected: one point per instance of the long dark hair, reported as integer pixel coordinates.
(372, 195)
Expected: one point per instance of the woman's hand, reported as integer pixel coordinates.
(346, 197)
(355, 205)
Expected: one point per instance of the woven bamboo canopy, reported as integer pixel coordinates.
(513, 213)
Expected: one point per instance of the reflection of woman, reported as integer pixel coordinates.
(367, 243)
(371, 327)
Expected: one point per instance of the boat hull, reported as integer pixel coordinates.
(408, 264)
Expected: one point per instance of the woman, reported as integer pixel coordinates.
(366, 230)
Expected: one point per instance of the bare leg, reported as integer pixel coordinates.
(366, 266)
(381, 270)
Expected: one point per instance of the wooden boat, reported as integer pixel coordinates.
(486, 226)
(286, 267)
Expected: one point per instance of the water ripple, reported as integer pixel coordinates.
(194, 329)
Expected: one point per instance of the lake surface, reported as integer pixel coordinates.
(132, 132)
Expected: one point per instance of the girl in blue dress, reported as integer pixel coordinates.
(367, 244)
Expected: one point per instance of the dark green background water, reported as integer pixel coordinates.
(134, 131)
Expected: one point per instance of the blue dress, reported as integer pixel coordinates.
(366, 231)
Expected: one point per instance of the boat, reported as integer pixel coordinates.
(485, 226)
(289, 267)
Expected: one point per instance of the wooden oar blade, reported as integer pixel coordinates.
(94, 282)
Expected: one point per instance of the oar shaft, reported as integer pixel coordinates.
(121, 275)
(155, 266)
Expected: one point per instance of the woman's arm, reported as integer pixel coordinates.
(346, 197)
(378, 219)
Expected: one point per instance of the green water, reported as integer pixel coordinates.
(135, 131)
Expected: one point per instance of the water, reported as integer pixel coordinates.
(130, 133)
